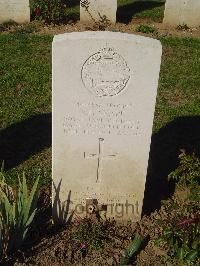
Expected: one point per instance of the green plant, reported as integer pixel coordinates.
(4, 188)
(181, 229)
(182, 238)
(131, 250)
(48, 10)
(145, 29)
(188, 172)
(16, 216)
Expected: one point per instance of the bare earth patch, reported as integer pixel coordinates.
(48, 245)
(161, 30)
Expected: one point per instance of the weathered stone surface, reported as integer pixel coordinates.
(104, 94)
(181, 12)
(16, 10)
(98, 11)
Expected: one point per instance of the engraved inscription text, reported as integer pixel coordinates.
(101, 119)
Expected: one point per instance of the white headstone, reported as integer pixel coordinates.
(104, 94)
(98, 11)
(182, 12)
(16, 10)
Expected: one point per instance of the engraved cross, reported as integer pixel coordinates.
(99, 156)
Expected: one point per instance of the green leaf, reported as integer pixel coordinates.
(131, 250)
(168, 232)
(17, 216)
(32, 200)
(30, 219)
(124, 261)
(192, 255)
(180, 254)
(135, 245)
(2, 167)
(196, 242)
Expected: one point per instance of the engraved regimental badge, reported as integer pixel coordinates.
(105, 73)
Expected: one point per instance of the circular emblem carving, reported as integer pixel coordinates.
(105, 73)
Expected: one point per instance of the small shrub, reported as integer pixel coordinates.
(48, 10)
(181, 229)
(17, 215)
(182, 238)
(188, 173)
(145, 29)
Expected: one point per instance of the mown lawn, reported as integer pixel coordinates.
(25, 98)
(143, 9)
(179, 84)
(128, 9)
(25, 94)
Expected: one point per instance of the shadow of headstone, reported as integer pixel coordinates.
(181, 133)
(72, 3)
(125, 13)
(22, 140)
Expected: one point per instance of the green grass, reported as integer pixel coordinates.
(25, 90)
(179, 85)
(145, 29)
(26, 81)
(25, 93)
(145, 9)
(128, 9)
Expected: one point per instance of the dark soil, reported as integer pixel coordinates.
(49, 244)
(52, 245)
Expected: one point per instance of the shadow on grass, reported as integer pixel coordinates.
(29, 137)
(181, 133)
(72, 3)
(22, 140)
(125, 13)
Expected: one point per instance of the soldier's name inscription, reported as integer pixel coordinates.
(101, 119)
